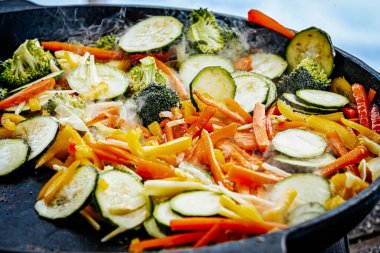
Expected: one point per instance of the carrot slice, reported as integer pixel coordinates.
(259, 128)
(201, 121)
(282, 126)
(224, 132)
(249, 177)
(209, 236)
(236, 107)
(149, 169)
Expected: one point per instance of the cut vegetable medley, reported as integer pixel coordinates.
(196, 148)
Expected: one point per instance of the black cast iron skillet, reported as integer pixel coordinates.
(23, 231)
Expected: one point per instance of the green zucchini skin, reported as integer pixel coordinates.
(11, 146)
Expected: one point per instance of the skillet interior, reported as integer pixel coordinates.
(25, 231)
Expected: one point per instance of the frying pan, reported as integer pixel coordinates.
(23, 231)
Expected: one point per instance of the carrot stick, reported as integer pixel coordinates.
(354, 156)
(209, 236)
(249, 177)
(100, 54)
(173, 240)
(225, 111)
(149, 169)
(246, 141)
(371, 95)
(338, 145)
(27, 93)
(100, 117)
(259, 128)
(125, 155)
(175, 82)
(236, 107)
(290, 124)
(106, 156)
(224, 132)
(260, 18)
(268, 122)
(201, 122)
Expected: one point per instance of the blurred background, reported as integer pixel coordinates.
(354, 26)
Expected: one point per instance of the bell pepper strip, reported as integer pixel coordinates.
(268, 123)
(246, 212)
(54, 161)
(221, 108)
(336, 116)
(324, 125)
(9, 120)
(334, 202)
(133, 140)
(362, 104)
(340, 150)
(5, 133)
(201, 121)
(117, 153)
(176, 83)
(150, 169)
(27, 93)
(34, 104)
(246, 141)
(109, 157)
(243, 64)
(259, 127)
(375, 118)
(100, 54)
(370, 134)
(171, 147)
(155, 129)
(371, 96)
(236, 107)
(347, 185)
(288, 112)
(211, 234)
(168, 241)
(352, 157)
(282, 126)
(262, 19)
(46, 186)
(341, 86)
(71, 146)
(277, 214)
(349, 112)
(249, 177)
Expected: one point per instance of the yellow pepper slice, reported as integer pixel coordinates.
(247, 212)
(372, 135)
(324, 125)
(288, 112)
(34, 104)
(219, 156)
(334, 202)
(5, 133)
(155, 129)
(9, 120)
(42, 192)
(347, 185)
(336, 116)
(101, 88)
(168, 148)
(278, 213)
(133, 140)
(54, 161)
(188, 108)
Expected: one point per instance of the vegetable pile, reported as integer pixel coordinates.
(192, 147)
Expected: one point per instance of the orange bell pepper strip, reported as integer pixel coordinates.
(259, 127)
(201, 121)
(352, 157)
(27, 93)
(250, 177)
(236, 107)
(9, 120)
(150, 169)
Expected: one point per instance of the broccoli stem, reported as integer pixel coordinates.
(148, 65)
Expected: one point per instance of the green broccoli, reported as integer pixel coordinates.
(146, 73)
(204, 32)
(307, 75)
(3, 93)
(154, 99)
(107, 42)
(73, 103)
(28, 63)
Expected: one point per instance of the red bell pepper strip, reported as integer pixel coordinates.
(375, 118)
(362, 104)
(350, 113)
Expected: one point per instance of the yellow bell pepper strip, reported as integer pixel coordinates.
(5, 133)
(34, 104)
(277, 214)
(188, 108)
(219, 156)
(60, 182)
(134, 145)
(246, 212)
(9, 120)
(54, 178)
(347, 185)
(334, 202)
(155, 129)
(94, 224)
(336, 116)
(370, 134)
(324, 125)
(168, 148)
(54, 161)
(288, 112)
(228, 213)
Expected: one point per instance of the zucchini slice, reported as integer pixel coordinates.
(251, 88)
(323, 99)
(196, 203)
(268, 64)
(164, 214)
(153, 229)
(195, 63)
(297, 104)
(39, 132)
(72, 197)
(299, 143)
(272, 93)
(313, 43)
(197, 172)
(151, 34)
(120, 199)
(307, 165)
(309, 187)
(116, 80)
(13, 154)
(304, 213)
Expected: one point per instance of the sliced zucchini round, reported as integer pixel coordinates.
(39, 132)
(268, 64)
(309, 187)
(197, 172)
(272, 93)
(321, 98)
(72, 197)
(313, 43)
(164, 214)
(13, 154)
(153, 229)
(297, 104)
(307, 165)
(151, 34)
(304, 213)
(299, 143)
(196, 203)
(116, 80)
(251, 88)
(195, 63)
(120, 199)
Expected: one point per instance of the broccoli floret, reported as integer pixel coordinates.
(107, 42)
(28, 63)
(73, 103)
(146, 73)
(307, 75)
(154, 99)
(204, 32)
(3, 93)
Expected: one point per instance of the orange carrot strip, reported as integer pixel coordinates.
(236, 107)
(225, 111)
(371, 95)
(259, 128)
(249, 177)
(202, 120)
(100, 54)
(341, 150)
(125, 155)
(243, 64)
(27, 93)
(268, 122)
(290, 124)
(175, 81)
(224, 132)
(109, 157)
(100, 117)
(209, 236)
(169, 133)
(354, 156)
(246, 141)
(149, 169)
(260, 18)
(190, 119)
